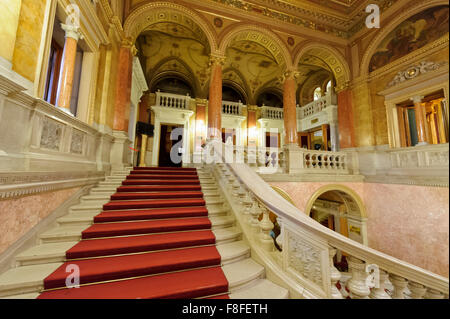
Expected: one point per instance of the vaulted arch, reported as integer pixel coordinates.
(330, 57)
(156, 12)
(263, 37)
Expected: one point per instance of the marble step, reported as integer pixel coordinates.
(72, 231)
(109, 183)
(44, 254)
(56, 252)
(233, 252)
(26, 279)
(242, 273)
(87, 217)
(261, 289)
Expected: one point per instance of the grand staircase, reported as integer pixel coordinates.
(144, 233)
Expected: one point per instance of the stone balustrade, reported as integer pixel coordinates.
(302, 255)
(272, 113)
(317, 106)
(175, 101)
(232, 108)
(427, 156)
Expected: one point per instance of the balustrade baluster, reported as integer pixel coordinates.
(418, 291)
(236, 187)
(335, 275)
(357, 284)
(380, 292)
(434, 294)
(255, 214)
(400, 285)
(248, 206)
(266, 226)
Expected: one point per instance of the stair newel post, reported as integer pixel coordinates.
(380, 292)
(418, 291)
(400, 285)
(266, 226)
(335, 275)
(357, 283)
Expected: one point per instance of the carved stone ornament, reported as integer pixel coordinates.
(414, 71)
(305, 259)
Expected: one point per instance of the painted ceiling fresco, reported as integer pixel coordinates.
(412, 34)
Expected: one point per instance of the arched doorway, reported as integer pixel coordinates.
(340, 209)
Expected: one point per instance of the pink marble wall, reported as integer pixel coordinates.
(410, 223)
(18, 216)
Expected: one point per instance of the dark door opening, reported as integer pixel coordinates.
(167, 146)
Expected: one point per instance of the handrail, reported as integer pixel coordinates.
(287, 212)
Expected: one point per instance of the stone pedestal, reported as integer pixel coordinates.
(120, 151)
(293, 158)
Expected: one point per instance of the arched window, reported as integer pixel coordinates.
(317, 93)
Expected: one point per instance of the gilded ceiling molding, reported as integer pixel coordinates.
(332, 57)
(269, 40)
(383, 32)
(145, 15)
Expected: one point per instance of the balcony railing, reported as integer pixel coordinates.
(272, 113)
(427, 156)
(316, 106)
(302, 254)
(232, 108)
(174, 101)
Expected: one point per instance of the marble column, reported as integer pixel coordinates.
(290, 109)
(345, 119)
(123, 87)
(65, 82)
(120, 149)
(252, 135)
(215, 98)
(334, 137)
(200, 124)
(419, 110)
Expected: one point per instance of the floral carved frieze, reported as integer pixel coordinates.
(305, 258)
(414, 71)
(51, 134)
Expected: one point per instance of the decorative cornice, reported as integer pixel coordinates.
(310, 16)
(414, 71)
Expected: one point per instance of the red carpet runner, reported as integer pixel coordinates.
(152, 240)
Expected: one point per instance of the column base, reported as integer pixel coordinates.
(120, 151)
(422, 144)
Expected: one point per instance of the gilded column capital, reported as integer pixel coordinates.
(129, 44)
(252, 107)
(289, 74)
(343, 87)
(216, 59)
(72, 31)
